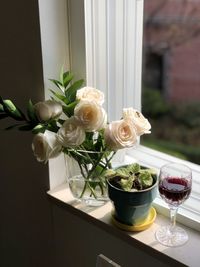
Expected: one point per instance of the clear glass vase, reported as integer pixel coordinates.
(91, 191)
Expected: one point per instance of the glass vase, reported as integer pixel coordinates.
(91, 191)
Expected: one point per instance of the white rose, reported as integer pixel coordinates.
(142, 125)
(71, 134)
(46, 146)
(90, 94)
(120, 134)
(90, 115)
(47, 110)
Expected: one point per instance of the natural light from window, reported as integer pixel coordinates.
(171, 80)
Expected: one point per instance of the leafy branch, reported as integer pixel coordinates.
(25, 122)
(29, 121)
(68, 90)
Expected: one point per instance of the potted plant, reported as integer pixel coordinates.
(132, 189)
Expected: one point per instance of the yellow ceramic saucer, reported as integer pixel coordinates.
(138, 227)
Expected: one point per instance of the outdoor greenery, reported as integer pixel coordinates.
(153, 103)
(175, 128)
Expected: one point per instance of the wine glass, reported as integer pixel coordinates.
(175, 183)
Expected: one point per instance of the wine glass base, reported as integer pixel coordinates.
(177, 237)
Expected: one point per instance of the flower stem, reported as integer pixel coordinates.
(95, 158)
(87, 182)
(108, 161)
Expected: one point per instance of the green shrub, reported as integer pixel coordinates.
(187, 114)
(153, 104)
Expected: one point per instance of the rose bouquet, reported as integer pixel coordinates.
(75, 123)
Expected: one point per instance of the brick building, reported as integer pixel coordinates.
(172, 48)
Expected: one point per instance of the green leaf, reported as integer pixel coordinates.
(146, 178)
(122, 172)
(71, 91)
(127, 184)
(58, 84)
(133, 168)
(110, 173)
(61, 75)
(151, 171)
(61, 121)
(52, 126)
(1, 108)
(39, 129)
(67, 78)
(12, 110)
(69, 109)
(31, 112)
(59, 96)
(97, 171)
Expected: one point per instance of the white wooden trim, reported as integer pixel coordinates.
(77, 38)
(55, 54)
(114, 51)
(54, 39)
(89, 44)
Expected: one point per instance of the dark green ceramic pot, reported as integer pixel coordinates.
(132, 208)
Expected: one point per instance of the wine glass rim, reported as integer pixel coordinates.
(186, 168)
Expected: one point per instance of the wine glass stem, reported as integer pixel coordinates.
(173, 212)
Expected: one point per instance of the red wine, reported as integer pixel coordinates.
(174, 190)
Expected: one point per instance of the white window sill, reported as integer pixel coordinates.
(145, 240)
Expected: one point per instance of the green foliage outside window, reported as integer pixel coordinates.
(175, 128)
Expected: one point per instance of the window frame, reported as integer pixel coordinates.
(109, 68)
(128, 28)
(54, 30)
(108, 38)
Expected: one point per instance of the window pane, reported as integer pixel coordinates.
(171, 77)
